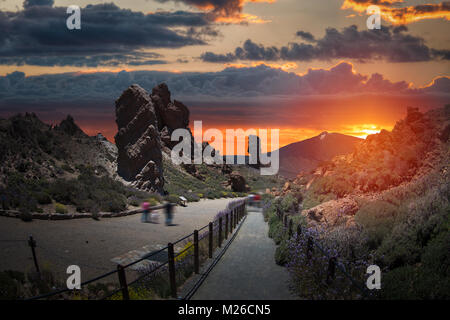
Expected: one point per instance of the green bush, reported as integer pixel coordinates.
(173, 198)
(60, 208)
(43, 198)
(281, 253)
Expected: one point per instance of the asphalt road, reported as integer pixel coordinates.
(92, 244)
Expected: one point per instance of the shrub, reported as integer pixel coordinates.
(60, 208)
(281, 253)
(43, 198)
(25, 215)
(173, 198)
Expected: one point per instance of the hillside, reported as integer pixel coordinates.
(387, 203)
(306, 155)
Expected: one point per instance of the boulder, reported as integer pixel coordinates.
(237, 182)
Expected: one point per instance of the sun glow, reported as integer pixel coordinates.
(363, 130)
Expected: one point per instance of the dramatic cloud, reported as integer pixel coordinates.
(305, 36)
(228, 11)
(391, 44)
(258, 97)
(30, 3)
(391, 11)
(109, 35)
(231, 83)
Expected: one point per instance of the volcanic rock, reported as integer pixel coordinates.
(237, 182)
(138, 140)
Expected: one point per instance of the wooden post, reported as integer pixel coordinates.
(173, 283)
(299, 231)
(32, 244)
(123, 282)
(309, 248)
(231, 220)
(211, 239)
(290, 228)
(235, 218)
(196, 253)
(226, 226)
(220, 231)
(331, 269)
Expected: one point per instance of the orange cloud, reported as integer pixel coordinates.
(226, 11)
(284, 66)
(401, 15)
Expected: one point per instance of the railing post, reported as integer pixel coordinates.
(299, 231)
(220, 231)
(226, 226)
(173, 283)
(290, 228)
(231, 220)
(123, 282)
(32, 244)
(196, 253)
(331, 269)
(211, 238)
(309, 247)
(235, 218)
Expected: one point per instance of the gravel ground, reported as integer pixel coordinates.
(247, 270)
(92, 244)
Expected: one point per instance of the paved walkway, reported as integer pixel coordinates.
(92, 244)
(247, 270)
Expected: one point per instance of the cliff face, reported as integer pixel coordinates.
(138, 141)
(146, 123)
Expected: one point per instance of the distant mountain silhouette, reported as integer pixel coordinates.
(306, 155)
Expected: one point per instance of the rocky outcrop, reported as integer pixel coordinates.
(237, 182)
(170, 115)
(68, 126)
(138, 140)
(332, 213)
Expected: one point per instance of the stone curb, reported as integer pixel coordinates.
(59, 216)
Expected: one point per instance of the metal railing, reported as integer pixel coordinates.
(221, 227)
(333, 262)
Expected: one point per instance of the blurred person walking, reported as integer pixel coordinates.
(168, 210)
(145, 212)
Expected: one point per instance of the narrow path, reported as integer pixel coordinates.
(247, 270)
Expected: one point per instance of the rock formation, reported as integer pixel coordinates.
(138, 140)
(237, 182)
(146, 123)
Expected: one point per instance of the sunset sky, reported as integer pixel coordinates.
(300, 66)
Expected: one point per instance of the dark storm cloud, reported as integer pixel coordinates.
(231, 83)
(305, 35)
(264, 95)
(30, 3)
(391, 44)
(38, 34)
(218, 8)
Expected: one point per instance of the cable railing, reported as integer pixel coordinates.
(333, 262)
(218, 230)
